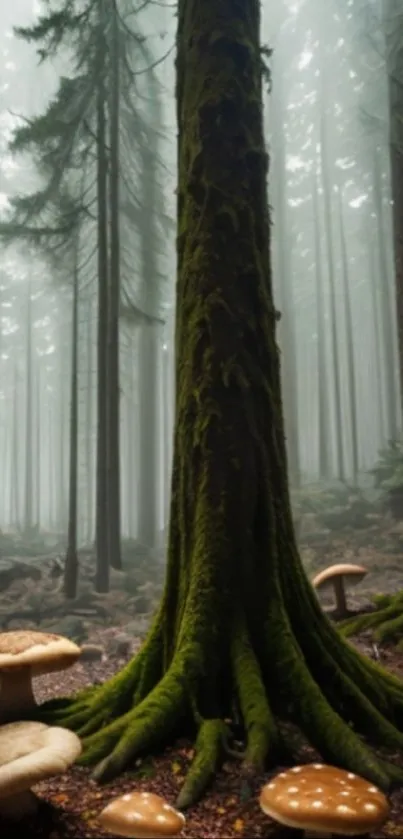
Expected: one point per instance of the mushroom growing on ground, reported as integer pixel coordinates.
(336, 577)
(141, 815)
(31, 752)
(323, 801)
(24, 654)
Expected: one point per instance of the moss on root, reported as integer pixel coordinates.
(386, 622)
(239, 635)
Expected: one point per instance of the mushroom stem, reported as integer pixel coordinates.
(340, 595)
(16, 695)
(15, 807)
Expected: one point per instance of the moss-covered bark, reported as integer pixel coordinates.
(239, 634)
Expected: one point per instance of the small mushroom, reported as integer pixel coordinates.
(141, 815)
(24, 654)
(31, 752)
(324, 800)
(336, 576)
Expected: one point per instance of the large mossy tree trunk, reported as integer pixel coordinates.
(239, 634)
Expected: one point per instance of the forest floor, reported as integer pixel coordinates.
(72, 802)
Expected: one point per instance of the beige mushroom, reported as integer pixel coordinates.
(324, 800)
(24, 654)
(31, 752)
(141, 815)
(336, 576)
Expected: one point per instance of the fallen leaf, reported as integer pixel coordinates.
(176, 767)
(238, 825)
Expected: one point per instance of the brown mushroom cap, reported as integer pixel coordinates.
(353, 573)
(43, 652)
(141, 815)
(324, 798)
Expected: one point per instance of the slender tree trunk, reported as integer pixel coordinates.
(386, 302)
(324, 452)
(29, 488)
(148, 512)
(38, 489)
(377, 332)
(89, 433)
(71, 561)
(16, 466)
(349, 346)
(114, 515)
(101, 524)
(393, 19)
(327, 198)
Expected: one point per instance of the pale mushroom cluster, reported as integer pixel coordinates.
(30, 751)
(324, 800)
(24, 654)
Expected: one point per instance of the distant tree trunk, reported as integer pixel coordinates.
(101, 513)
(377, 329)
(131, 435)
(15, 451)
(349, 345)
(71, 561)
(114, 514)
(38, 492)
(167, 394)
(60, 429)
(29, 488)
(89, 431)
(327, 199)
(385, 299)
(394, 19)
(148, 351)
(324, 453)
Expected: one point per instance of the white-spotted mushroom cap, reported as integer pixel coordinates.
(31, 752)
(321, 798)
(141, 815)
(26, 653)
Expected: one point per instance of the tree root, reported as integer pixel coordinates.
(386, 622)
(143, 728)
(209, 750)
(262, 734)
(285, 684)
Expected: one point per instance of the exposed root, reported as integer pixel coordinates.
(96, 707)
(209, 751)
(262, 734)
(311, 711)
(386, 622)
(139, 731)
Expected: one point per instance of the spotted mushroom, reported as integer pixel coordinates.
(141, 815)
(324, 801)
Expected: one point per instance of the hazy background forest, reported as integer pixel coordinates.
(72, 436)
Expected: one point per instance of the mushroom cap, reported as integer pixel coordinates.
(324, 798)
(141, 815)
(31, 752)
(353, 574)
(43, 652)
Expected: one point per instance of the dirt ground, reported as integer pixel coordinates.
(72, 802)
